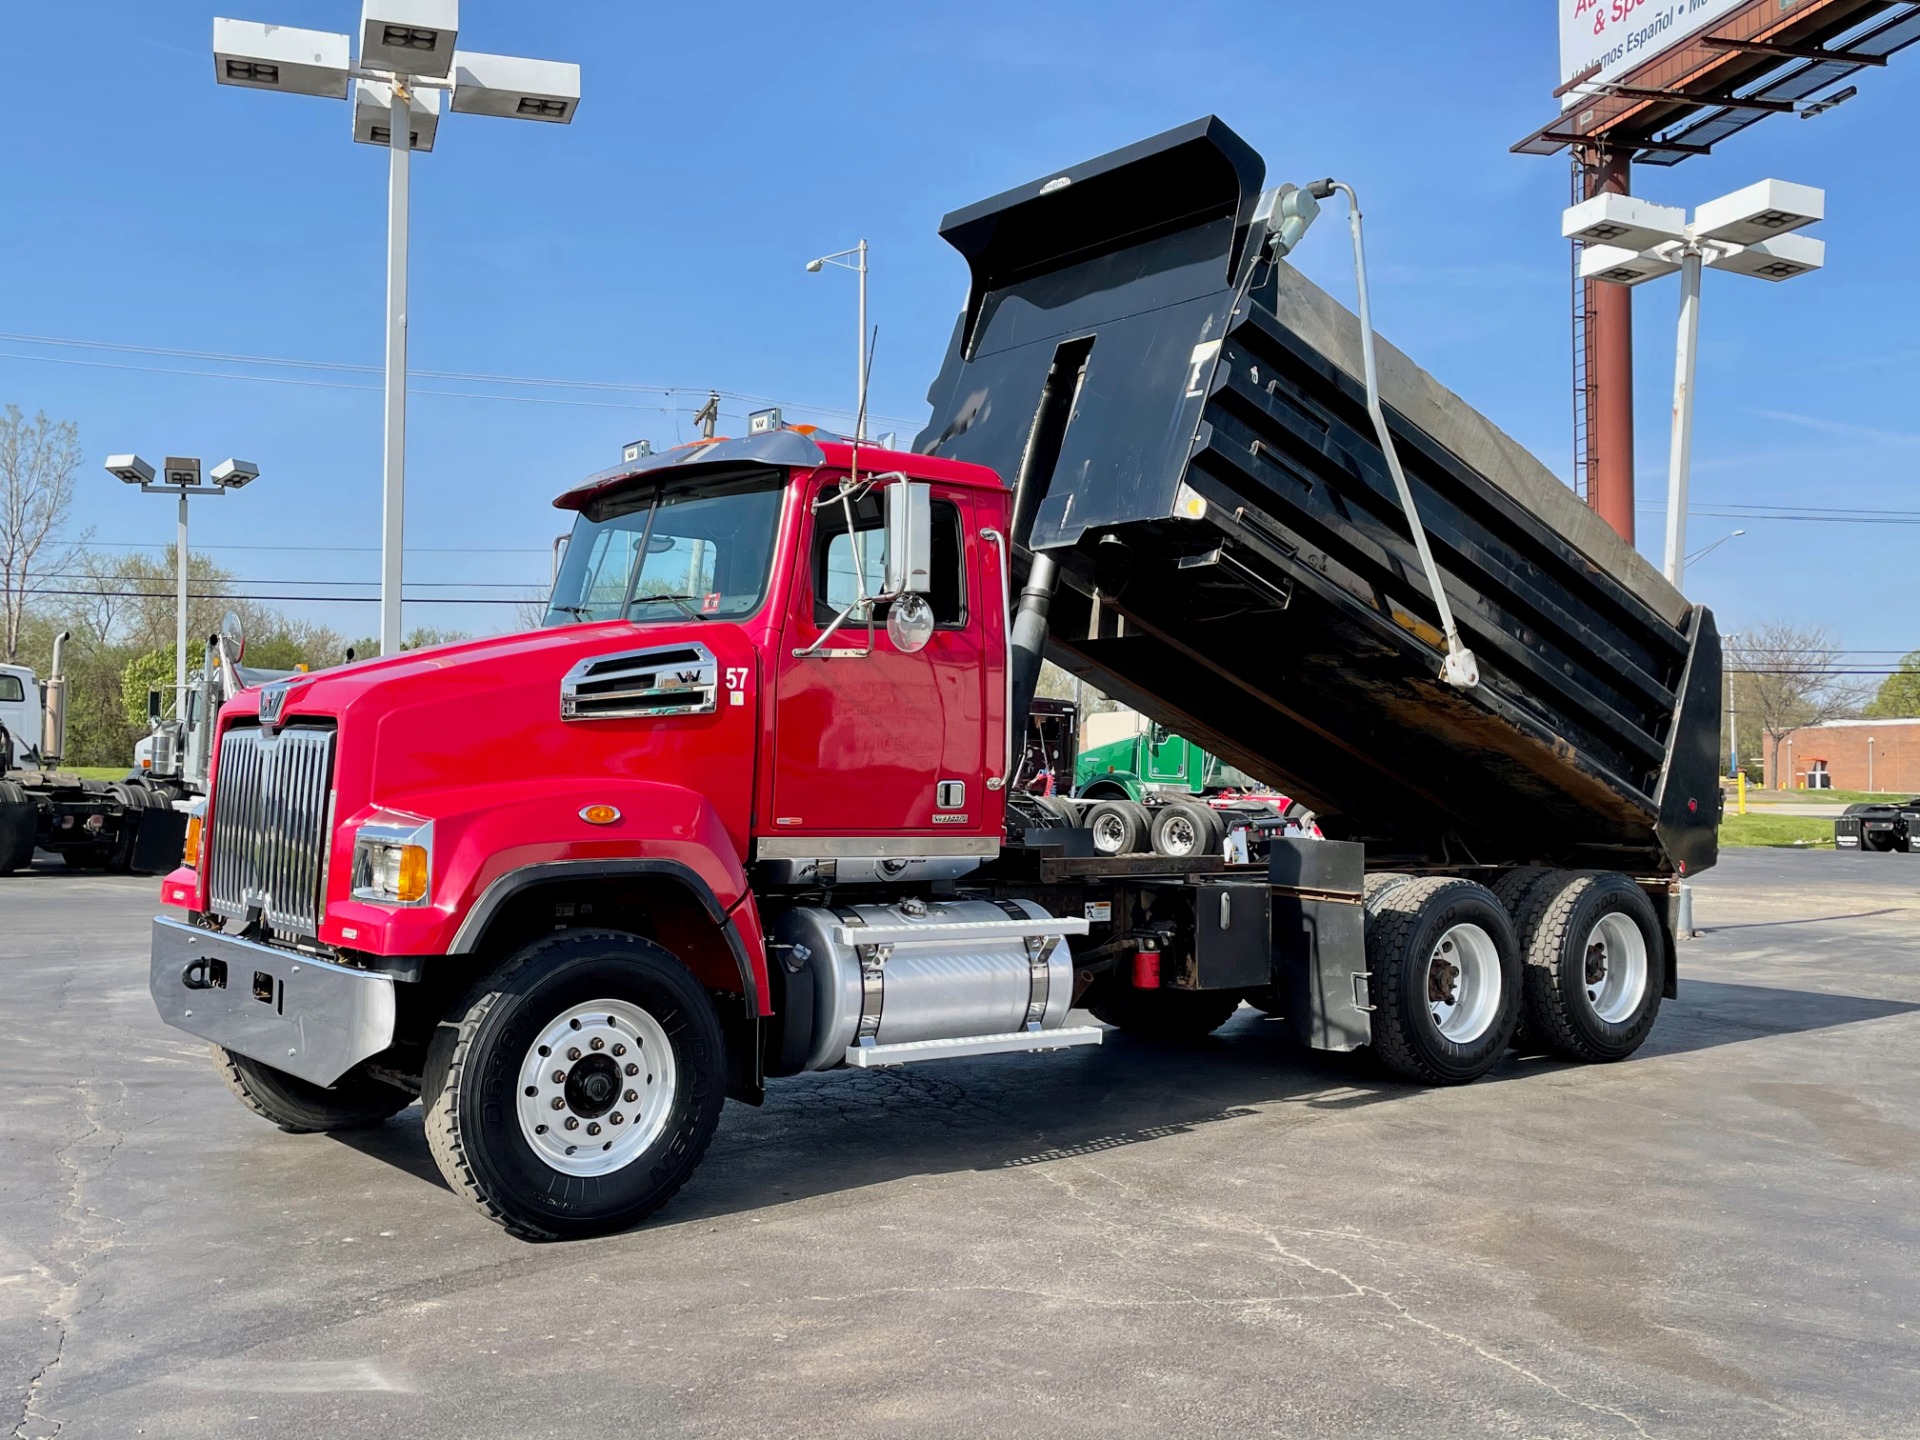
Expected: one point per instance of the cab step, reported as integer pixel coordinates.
(868, 1057)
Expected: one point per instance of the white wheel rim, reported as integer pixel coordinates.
(1178, 836)
(1109, 834)
(1615, 968)
(1463, 984)
(565, 1111)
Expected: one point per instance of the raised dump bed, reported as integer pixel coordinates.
(1184, 420)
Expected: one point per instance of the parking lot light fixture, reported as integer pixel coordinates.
(408, 72)
(180, 477)
(1750, 232)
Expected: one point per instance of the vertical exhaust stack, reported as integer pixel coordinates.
(53, 729)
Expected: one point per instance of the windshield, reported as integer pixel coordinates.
(688, 548)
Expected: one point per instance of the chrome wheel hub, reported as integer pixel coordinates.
(1178, 836)
(1109, 834)
(596, 1087)
(1463, 984)
(1615, 976)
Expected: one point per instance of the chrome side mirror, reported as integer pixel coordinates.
(231, 645)
(909, 526)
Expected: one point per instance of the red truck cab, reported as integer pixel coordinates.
(709, 695)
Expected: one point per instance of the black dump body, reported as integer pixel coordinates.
(1127, 346)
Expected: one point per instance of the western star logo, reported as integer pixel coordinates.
(273, 699)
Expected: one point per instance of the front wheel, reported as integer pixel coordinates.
(574, 1091)
(299, 1106)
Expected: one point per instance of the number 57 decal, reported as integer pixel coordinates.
(736, 684)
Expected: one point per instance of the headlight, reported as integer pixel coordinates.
(393, 862)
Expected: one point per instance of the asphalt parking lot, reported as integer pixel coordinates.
(1718, 1237)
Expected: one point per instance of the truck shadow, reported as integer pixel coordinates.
(824, 1134)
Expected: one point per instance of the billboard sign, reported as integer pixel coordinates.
(1622, 35)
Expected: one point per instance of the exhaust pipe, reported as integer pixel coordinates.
(53, 729)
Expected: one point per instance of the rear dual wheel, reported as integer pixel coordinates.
(1184, 828)
(1595, 964)
(1119, 827)
(1444, 977)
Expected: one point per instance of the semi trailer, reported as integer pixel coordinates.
(761, 818)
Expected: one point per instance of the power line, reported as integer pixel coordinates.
(457, 376)
(320, 549)
(285, 599)
(288, 580)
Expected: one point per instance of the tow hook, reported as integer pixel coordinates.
(205, 974)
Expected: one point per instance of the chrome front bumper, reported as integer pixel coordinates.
(311, 1018)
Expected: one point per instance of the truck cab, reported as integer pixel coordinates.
(20, 712)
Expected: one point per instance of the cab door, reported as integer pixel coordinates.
(868, 740)
(1166, 758)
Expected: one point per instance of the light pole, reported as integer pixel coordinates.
(180, 477)
(855, 260)
(1869, 764)
(407, 63)
(1629, 241)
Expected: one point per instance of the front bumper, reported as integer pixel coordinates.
(311, 1018)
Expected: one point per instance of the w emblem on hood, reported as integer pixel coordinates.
(273, 699)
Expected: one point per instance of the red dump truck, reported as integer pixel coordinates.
(760, 817)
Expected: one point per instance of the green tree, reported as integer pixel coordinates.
(142, 675)
(1899, 696)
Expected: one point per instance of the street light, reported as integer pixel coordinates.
(179, 476)
(1628, 241)
(408, 65)
(855, 260)
(1706, 550)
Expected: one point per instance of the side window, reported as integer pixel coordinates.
(834, 578)
(11, 689)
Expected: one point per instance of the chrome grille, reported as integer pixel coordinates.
(267, 835)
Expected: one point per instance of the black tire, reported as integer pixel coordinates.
(18, 826)
(1407, 926)
(1881, 843)
(1185, 828)
(1513, 886)
(1119, 827)
(1179, 1015)
(1375, 886)
(1568, 1004)
(471, 1088)
(300, 1107)
(90, 857)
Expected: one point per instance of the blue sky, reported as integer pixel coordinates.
(660, 240)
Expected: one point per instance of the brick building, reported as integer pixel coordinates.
(1850, 755)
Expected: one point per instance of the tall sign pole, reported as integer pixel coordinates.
(1609, 397)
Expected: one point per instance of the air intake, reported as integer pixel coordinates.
(666, 680)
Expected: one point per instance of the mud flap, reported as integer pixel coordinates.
(159, 841)
(1320, 941)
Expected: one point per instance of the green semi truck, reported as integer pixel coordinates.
(1149, 790)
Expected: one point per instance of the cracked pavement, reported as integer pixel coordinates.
(1718, 1237)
